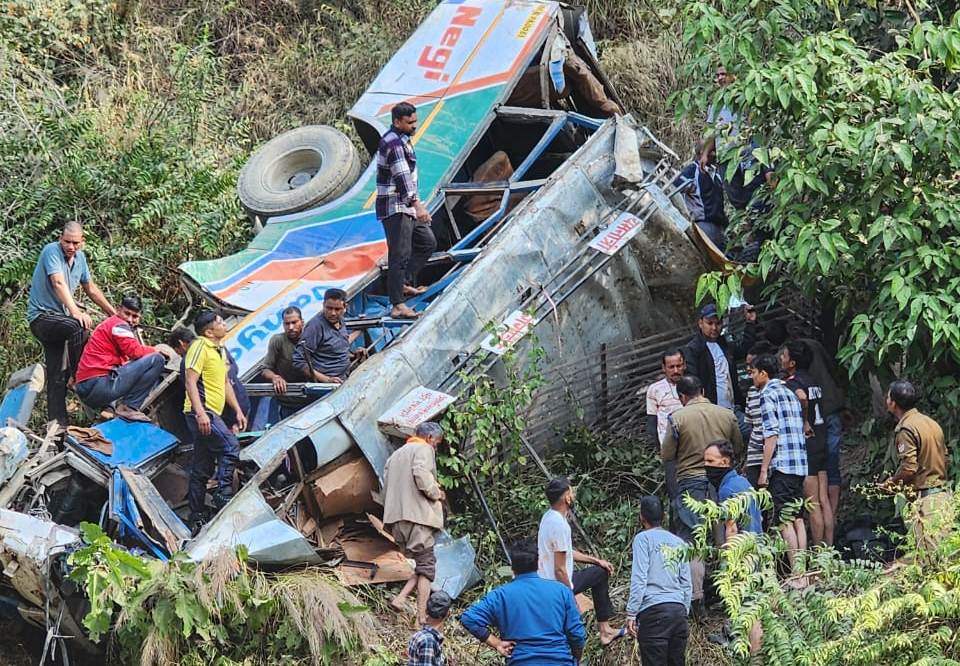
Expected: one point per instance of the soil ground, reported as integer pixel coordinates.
(13, 644)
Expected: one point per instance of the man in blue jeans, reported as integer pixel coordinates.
(537, 619)
(208, 392)
(115, 368)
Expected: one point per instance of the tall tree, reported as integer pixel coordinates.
(856, 106)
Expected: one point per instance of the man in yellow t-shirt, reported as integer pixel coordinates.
(207, 388)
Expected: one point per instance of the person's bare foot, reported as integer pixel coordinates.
(413, 291)
(401, 311)
(400, 606)
(606, 638)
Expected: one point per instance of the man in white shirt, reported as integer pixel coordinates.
(662, 401)
(557, 555)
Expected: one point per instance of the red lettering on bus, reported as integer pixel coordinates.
(434, 59)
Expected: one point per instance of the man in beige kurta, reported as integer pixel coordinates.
(413, 509)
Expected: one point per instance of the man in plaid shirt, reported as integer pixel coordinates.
(406, 221)
(426, 646)
(784, 463)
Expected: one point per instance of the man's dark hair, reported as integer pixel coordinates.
(524, 557)
(132, 302)
(724, 447)
(402, 110)
(776, 332)
(799, 353)
(293, 309)
(689, 386)
(334, 294)
(180, 335)
(555, 489)
(651, 510)
(767, 363)
(204, 320)
(904, 394)
(670, 352)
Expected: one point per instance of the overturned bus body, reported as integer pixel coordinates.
(554, 214)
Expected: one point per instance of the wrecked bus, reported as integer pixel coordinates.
(553, 212)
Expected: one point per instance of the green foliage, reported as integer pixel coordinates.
(857, 110)
(853, 613)
(219, 611)
(484, 429)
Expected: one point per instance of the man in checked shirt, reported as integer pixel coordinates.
(406, 221)
(426, 646)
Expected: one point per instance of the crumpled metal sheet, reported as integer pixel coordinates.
(315, 422)
(456, 565)
(249, 521)
(13, 451)
(25, 544)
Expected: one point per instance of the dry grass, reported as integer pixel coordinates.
(318, 606)
(645, 72)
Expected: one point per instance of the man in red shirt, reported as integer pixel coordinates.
(115, 368)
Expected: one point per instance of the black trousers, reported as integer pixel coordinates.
(409, 244)
(597, 580)
(662, 635)
(57, 332)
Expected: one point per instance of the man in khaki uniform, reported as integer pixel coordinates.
(413, 509)
(690, 430)
(923, 462)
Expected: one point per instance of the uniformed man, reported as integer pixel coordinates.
(923, 460)
(691, 429)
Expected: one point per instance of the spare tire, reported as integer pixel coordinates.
(299, 169)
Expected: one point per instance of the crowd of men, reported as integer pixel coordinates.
(716, 442)
(534, 619)
(109, 367)
(784, 433)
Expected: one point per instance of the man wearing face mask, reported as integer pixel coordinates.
(718, 463)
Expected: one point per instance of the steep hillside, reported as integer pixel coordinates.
(135, 117)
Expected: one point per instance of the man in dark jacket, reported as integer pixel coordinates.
(712, 358)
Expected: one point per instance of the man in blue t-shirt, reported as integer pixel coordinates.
(536, 620)
(718, 462)
(55, 318)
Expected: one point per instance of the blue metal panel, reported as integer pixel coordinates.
(134, 443)
(13, 403)
(124, 510)
(585, 121)
(555, 127)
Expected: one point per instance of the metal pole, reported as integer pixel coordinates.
(489, 514)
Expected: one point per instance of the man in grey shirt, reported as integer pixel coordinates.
(660, 591)
(323, 351)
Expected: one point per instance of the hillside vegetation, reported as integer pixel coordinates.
(135, 118)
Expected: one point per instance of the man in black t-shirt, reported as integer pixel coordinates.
(795, 359)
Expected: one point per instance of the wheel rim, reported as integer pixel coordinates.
(292, 170)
